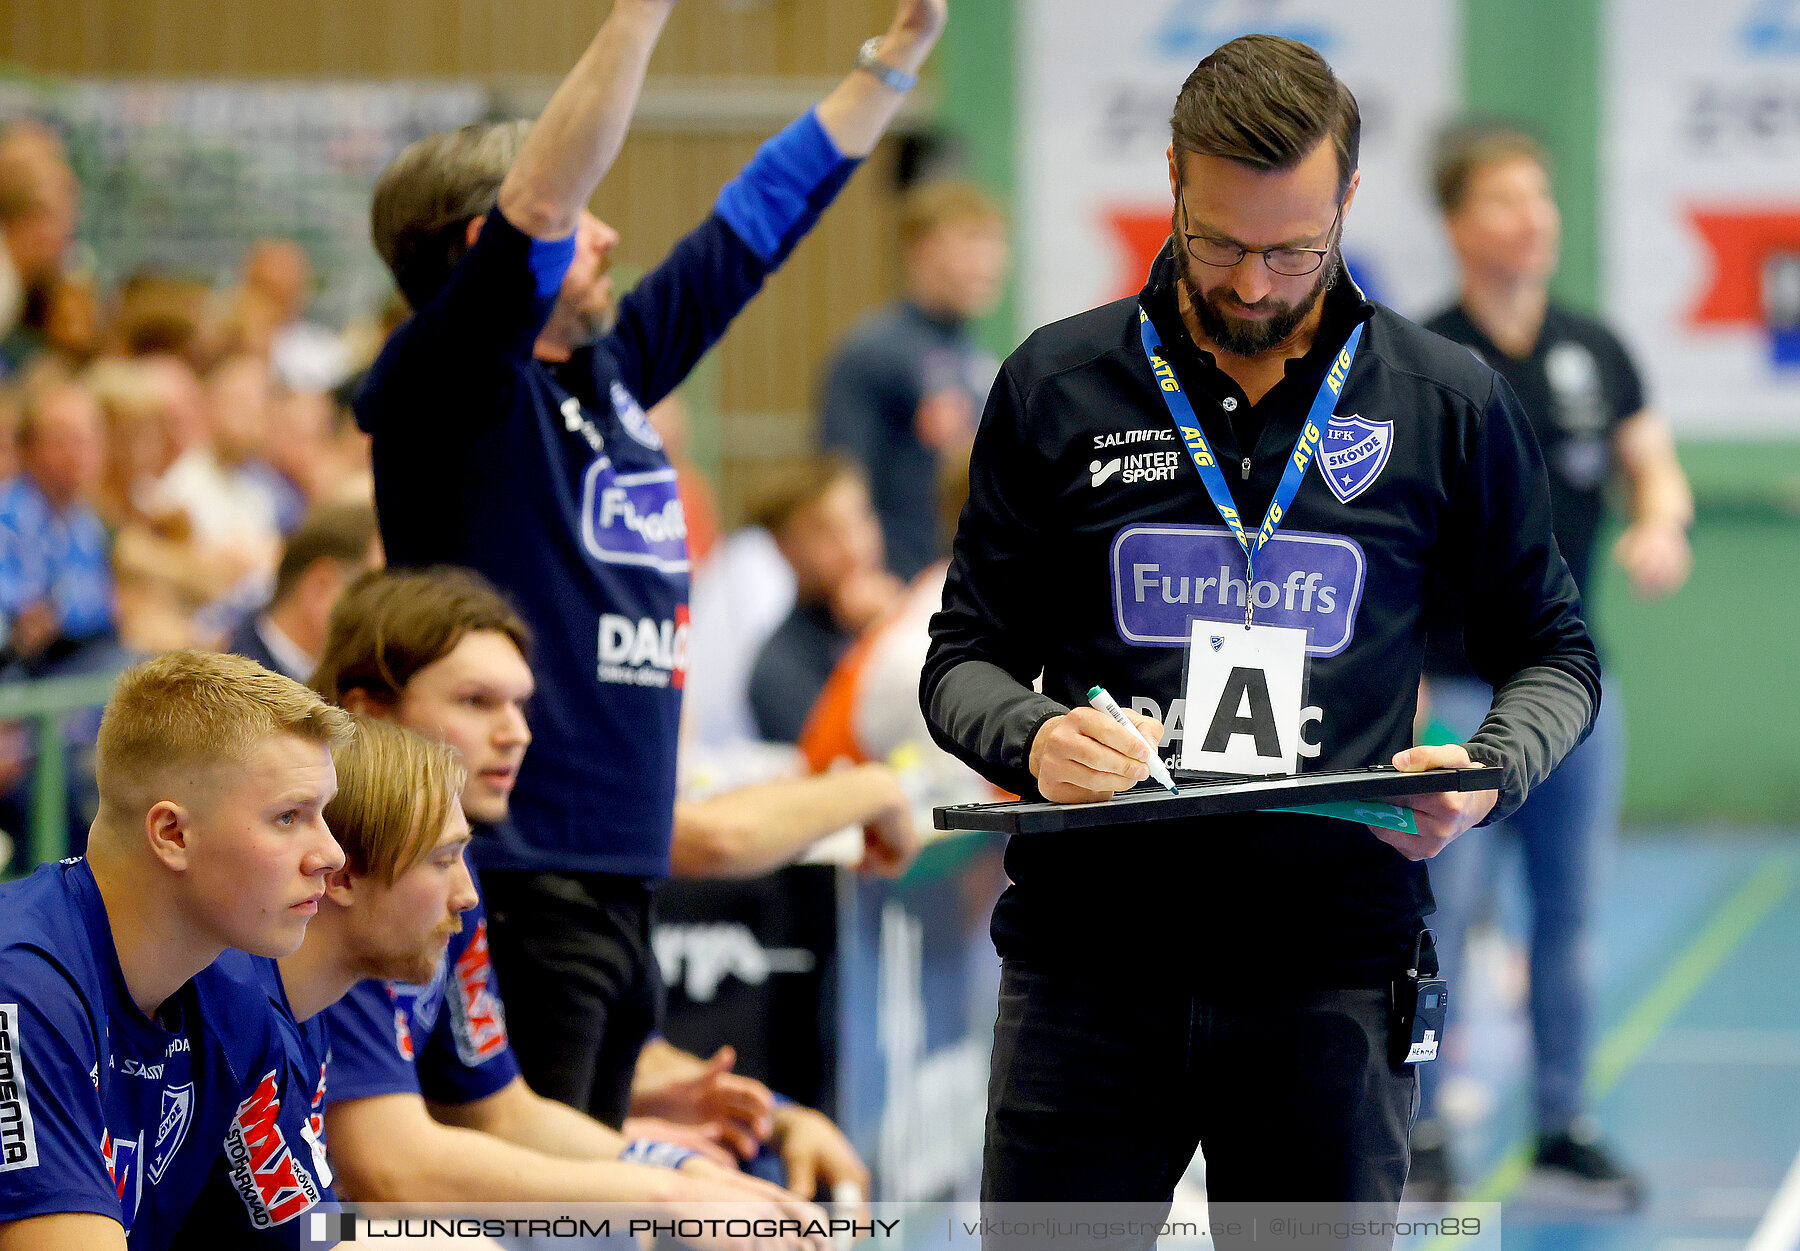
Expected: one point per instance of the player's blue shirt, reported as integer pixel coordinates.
(445, 1040)
(103, 1110)
(234, 1209)
(550, 481)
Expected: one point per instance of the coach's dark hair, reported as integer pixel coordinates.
(1467, 147)
(426, 198)
(1266, 102)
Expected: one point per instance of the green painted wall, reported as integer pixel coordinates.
(1539, 60)
(978, 60)
(1710, 676)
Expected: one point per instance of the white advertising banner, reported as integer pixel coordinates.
(1701, 138)
(1098, 82)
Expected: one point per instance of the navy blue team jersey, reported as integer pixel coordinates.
(235, 1209)
(105, 1111)
(549, 480)
(445, 1040)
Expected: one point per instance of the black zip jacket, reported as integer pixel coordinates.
(1078, 570)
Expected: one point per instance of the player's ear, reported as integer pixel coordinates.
(361, 703)
(168, 830)
(340, 887)
(473, 231)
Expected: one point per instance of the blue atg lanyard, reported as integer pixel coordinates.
(1305, 448)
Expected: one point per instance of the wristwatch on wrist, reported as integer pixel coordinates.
(896, 79)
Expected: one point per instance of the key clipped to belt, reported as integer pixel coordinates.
(1419, 1001)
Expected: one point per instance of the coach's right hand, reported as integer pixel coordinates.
(1085, 756)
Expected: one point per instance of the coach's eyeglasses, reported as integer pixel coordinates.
(1289, 262)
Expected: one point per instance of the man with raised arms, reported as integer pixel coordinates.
(510, 437)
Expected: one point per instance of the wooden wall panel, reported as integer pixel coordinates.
(417, 38)
(664, 182)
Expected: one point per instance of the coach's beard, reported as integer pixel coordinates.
(1242, 337)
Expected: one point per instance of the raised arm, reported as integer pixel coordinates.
(679, 310)
(578, 135)
(859, 110)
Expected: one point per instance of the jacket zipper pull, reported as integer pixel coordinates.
(1245, 468)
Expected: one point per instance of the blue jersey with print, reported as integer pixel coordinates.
(445, 1040)
(105, 1111)
(62, 559)
(233, 1210)
(549, 480)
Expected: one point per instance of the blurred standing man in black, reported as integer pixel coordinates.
(1226, 982)
(510, 436)
(904, 390)
(1582, 394)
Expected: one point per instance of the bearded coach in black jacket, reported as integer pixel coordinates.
(1226, 981)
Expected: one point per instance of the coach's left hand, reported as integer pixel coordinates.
(1441, 816)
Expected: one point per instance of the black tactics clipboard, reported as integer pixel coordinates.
(1212, 794)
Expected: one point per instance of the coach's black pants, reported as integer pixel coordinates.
(579, 980)
(1105, 1081)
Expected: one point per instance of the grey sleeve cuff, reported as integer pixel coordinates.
(982, 713)
(1538, 717)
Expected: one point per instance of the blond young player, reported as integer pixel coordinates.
(127, 1057)
(390, 913)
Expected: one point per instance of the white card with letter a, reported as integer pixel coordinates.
(1244, 688)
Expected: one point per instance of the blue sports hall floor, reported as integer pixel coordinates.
(1696, 1071)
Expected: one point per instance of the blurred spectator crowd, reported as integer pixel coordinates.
(180, 467)
(158, 441)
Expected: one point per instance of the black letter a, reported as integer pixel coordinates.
(1260, 724)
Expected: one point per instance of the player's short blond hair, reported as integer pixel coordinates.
(395, 789)
(192, 709)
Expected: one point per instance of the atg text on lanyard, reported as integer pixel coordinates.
(1305, 448)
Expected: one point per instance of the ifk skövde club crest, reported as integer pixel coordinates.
(1353, 454)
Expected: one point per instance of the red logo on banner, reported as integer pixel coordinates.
(1742, 242)
(1140, 234)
